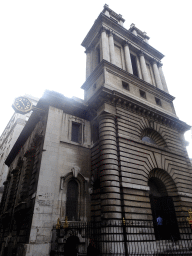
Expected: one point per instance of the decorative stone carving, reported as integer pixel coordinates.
(75, 171)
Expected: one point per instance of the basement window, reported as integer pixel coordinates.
(76, 132)
(158, 101)
(134, 65)
(142, 94)
(125, 86)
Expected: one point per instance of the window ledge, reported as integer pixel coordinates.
(76, 144)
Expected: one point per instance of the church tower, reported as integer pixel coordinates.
(138, 153)
(108, 174)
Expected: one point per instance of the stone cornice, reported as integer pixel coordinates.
(117, 16)
(105, 95)
(93, 32)
(129, 78)
(138, 31)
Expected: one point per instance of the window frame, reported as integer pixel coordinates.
(82, 193)
(158, 102)
(125, 85)
(79, 121)
(79, 135)
(144, 96)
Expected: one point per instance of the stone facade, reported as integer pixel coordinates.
(107, 158)
(8, 139)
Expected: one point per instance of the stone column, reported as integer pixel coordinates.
(157, 75)
(144, 67)
(163, 78)
(88, 63)
(111, 47)
(128, 58)
(109, 172)
(104, 45)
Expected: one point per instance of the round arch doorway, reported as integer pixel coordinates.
(71, 246)
(163, 210)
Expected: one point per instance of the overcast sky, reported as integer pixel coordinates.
(40, 47)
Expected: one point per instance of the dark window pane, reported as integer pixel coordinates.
(142, 94)
(134, 65)
(76, 132)
(98, 55)
(158, 101)
(125, 85)
(72, 200)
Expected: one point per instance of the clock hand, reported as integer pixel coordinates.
(22, 103)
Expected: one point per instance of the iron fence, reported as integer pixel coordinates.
(121, 238)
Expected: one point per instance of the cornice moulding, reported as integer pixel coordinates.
(128, 35)
(126, 102)
(105, 65)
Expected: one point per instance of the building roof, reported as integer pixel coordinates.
(50, 98)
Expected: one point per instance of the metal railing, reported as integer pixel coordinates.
(131, 237)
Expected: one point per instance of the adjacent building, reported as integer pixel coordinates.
(8, 139)
(118, 156)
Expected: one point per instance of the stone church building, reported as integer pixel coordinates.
(117, 155)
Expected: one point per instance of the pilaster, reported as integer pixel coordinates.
(144, 67)
(157, 76)
(104, 45)
(111, 47)
(163, 78)
(88, 63)
(128, 58)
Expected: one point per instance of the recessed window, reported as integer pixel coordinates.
(94, 133)
(94, 86)
(76, 132)
(142, 94)
(98, 55)
(134, 65)
(125, 85)
(72, 200)
(158, 101)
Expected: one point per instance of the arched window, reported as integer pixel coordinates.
(148, 139)
(72, 200)
(151, 136)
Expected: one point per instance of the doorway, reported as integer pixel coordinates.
(163, 207)
(71, 246)
(163, 211)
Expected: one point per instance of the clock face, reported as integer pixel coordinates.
(22, 105)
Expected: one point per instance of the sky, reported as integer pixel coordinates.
(40, 47)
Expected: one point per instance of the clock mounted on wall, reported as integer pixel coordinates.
(22, 105)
